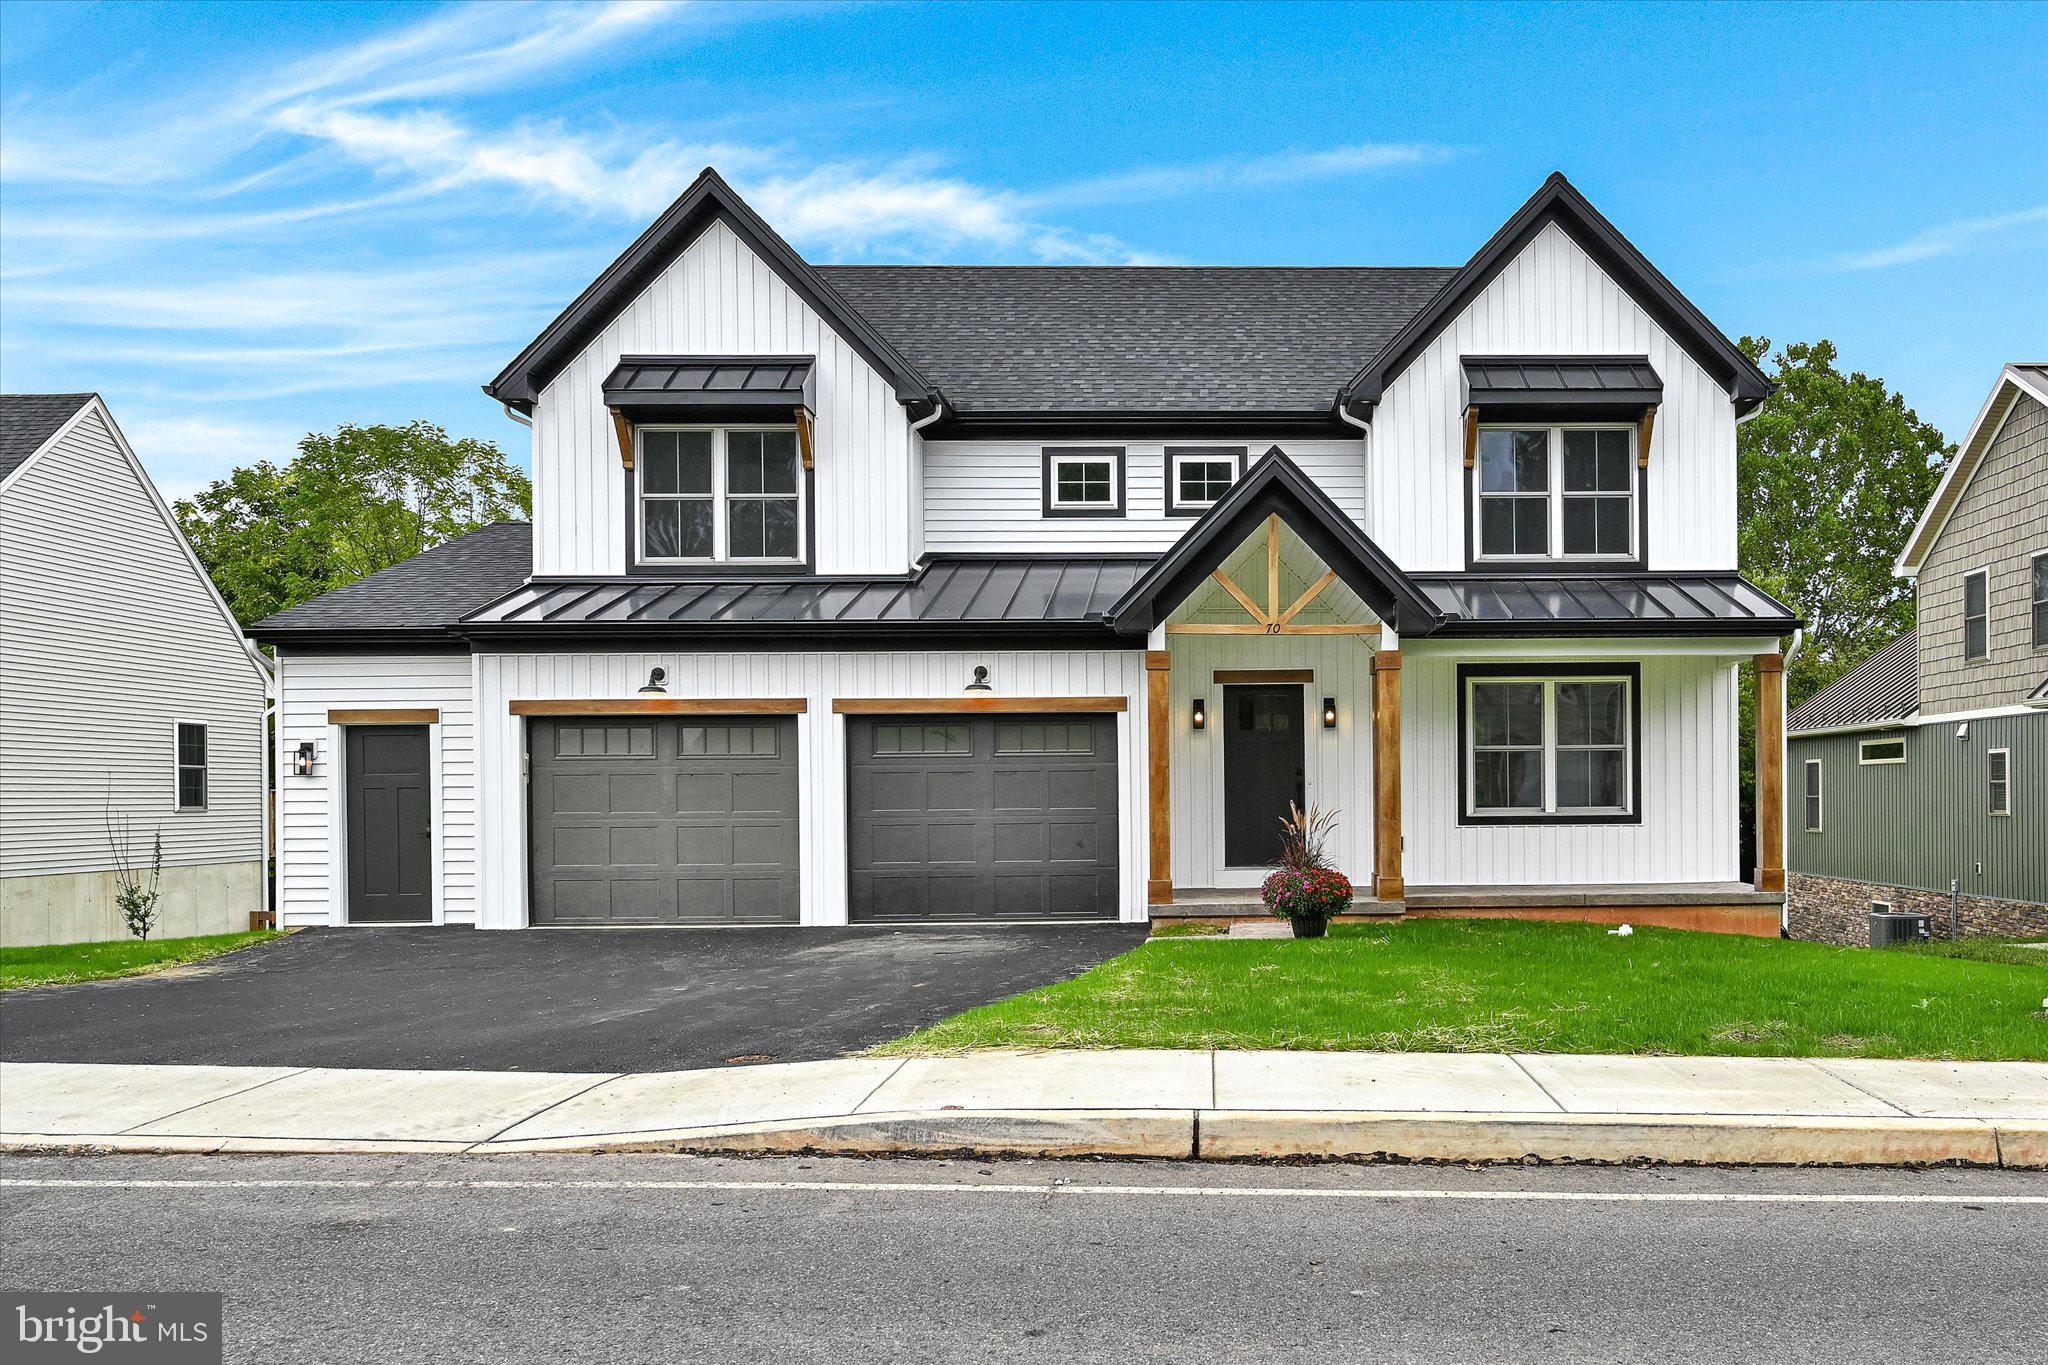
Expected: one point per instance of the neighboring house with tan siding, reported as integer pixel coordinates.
(1928, 765)
(127, 693)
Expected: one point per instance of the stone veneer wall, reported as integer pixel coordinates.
(1832, 910)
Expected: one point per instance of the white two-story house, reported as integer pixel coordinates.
(911, 594)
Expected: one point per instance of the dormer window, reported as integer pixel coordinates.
(719, 495)
(1556, 493)
(1084, 481)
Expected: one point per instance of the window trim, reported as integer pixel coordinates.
(2037, 602)
(178, 765)
(1051, 458)
(720, 499)
(1172, 460)
(1968, 657)
(1630, 673)
(1555, 497)
(1813, 796)
(1863, 750)
(1999, 806)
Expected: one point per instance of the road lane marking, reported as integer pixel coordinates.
(1055, 1188)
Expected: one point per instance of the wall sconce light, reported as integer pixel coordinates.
(302, 758)
(1329, 713)
(655, 678)
(1200, 718)
(1963, 730)
(980, 682)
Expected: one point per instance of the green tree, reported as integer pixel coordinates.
(356, 500)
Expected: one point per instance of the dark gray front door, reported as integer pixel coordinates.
(1262, 769)
(664, 820)
(982, 817)
(390, 825)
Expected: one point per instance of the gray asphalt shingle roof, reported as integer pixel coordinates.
(1885, 686)
(429, 592)
(27, 420)
(1035, 339)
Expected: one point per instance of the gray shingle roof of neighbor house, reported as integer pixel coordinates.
(28, 420)
(1884, 687)
(421, 596)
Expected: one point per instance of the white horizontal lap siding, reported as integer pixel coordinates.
(312, 858)
(1689, 828)
(989, 496)
(109, 636)
(1551, 300)
(719, 298)
(818, 678)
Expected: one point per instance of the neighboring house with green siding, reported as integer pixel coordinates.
(1926, 768)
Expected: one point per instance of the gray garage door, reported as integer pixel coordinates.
(685, 820)
(982, 818)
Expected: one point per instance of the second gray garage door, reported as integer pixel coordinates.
(982, 818)
(685, 820)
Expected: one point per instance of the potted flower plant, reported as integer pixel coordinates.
(1303, 886)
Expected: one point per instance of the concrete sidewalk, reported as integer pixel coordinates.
(1174, 1104)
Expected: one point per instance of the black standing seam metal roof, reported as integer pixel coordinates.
(712, 378)
(1561, 379)
(29, 420)
(1885, 686)
(1634, 604)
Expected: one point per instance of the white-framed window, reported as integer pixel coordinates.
(719, 495)
(2039, 580)
(189, 775)
(1998, 781)
(1977, 614)
(1811, 796)
(1197, 476)
(1871, 752)
(1556, 492)
(1549, 747)
(1084, 481)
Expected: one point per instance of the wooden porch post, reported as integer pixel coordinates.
(1770, 772)
(1159, 787)
(1387, 884)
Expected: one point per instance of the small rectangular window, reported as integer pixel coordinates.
(1998, 781)
(1812, 796)
(1197, 476)
(191, 762)
(1873, 751)
(1084, 481)
(1976, 615)
(2040, 601)
(894, 739)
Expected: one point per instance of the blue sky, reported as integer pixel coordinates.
(242, 222)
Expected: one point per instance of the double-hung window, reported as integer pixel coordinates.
(1977, 615)
(1084, 481)
(1556, 493)
(191, 766)
(1811, 796)
(1197, 476)
(2040, 601)
(1998, 781)
(720, 495)
(1544, 747)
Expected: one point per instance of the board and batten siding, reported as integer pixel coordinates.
(818, 678)
(1689, 826)
(109, 636)
(988, 496)
(1998, 525)
(719, 298)
(1926, 821)
(1552, 299)
(312, 856)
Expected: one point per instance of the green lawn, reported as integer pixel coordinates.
(60, 964)
(1503, 985)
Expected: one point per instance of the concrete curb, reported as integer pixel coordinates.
(1239, 1135)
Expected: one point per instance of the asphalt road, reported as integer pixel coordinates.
(551, 999)
(611, 1259)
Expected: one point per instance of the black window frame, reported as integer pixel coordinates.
(1051, 457)
(180, 767)
(1630, 672)
(1982, 618)
(638, 563)
(1238, 455)
(1556, 498)
(2037, 580)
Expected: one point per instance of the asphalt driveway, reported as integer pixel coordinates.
(549, 999)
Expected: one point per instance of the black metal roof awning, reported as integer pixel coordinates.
(1607, 604)
(1617, 383)
(687, 387)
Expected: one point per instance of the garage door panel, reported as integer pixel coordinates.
(765, 793)
(955, 790)
(764, 845)
(637, 794)
(1019, 789)
(1020, 843)
(704, 846)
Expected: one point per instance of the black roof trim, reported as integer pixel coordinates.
(1065, 426)
(1276, 485)
(1558, 201)
(708, 199)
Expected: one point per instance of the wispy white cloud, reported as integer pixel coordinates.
(1264, 172)
(1945, 240)
(185, 452)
